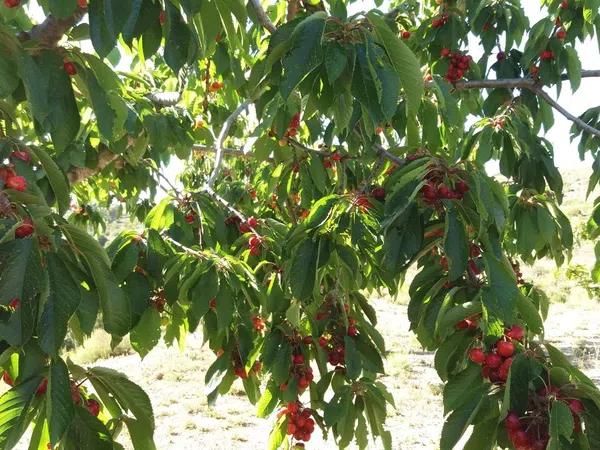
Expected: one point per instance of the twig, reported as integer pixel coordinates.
(576, 120)
(50, 31)
(189, 251)
(387, 155)
(302, 147)
(513, 83)
(209, 190)
(262, 17)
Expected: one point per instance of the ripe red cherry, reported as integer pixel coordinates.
(429, 192)
(336, 156)
(254, 241)
(462, 186)
(493, 361)
(323, 342)
(252, 222)
(42, 388)
(15, 303)
(406, 35)
(378, 193)
(303, 383)
(352, 331)
(70, 68)
(255, 251)
(93, 407)
(564, 4)
(445, 52)
(12, 3)
(307, 340)
(561, 34)
(516, 332)
(7, 379)
(512, 421)
(298, 359)
(505, 349)
(520, 439)
(189, 218)
(25, 229)
(576, 406)
(477, 356)
(17, 183)
(162, 17)
(501, 56)
(443, 191)
(283, 387)
(82, 4)
(21, 154)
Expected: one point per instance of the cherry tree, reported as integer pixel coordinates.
(324, 154)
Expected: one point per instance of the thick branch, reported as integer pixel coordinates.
(262, 17)
(576, 120)
(78, 174)
(50, 31)
(513, 83)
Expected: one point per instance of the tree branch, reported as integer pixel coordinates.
(263, 19)
(576, 120)
(50, 31)
(78, 174)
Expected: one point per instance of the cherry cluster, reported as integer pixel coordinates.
(254, 244)
(437, 188)
(258, 323)
(11, 180)
(332, 340)
(530, 430)
(238, 367)
(517, 270)
(301, 371)
(158, 300)
(300, 424)
(440, 20)
(293, 126)
(245, 227)
(459, 65)
(497, 361)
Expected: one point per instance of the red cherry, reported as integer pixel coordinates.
(17, 183)
(22, 155)
(82, 4)
(335, 156)
(254, 241)
(477, 356)
(6, 173)
(378, 193)
(505, 349)
(493, 361)
(7, 379)
(406, 35)
(576, 406)
(512, 421)
(190, 218)
(429, 192)
(516, 332)
(291, 428)
(473, 267)
(42, 388)
(93, 407)
(323, 342)
(25, 229)
(474, 251)
(298, 359)
(501, 56)
(15, 303)
(327, 163)
(240, 373)
(252, 222)
(307, 340)
(443, 191)
(283, 387)
(561, 34)
(255, 251)
(12, 3)
(462, 186)
(564, 4)
(70, 68)
(378, 130)
(303, 383)
(520, 439)
(352, 331)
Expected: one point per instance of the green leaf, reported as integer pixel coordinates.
(456, 246)
(573, 68)
(303, 269)
(335, 61)
(460, 387)
(56, 178)
(102, 40)
(62, 302)
(277, 436)
(178, 40)
(522, 371)
(352, 358)
(140, 438)
(116, 311)
(457, 423)
(146, 334)
(320, 211)
(14, 405)
(62, 8)
(87, 431)
(59, 404)
(305, 52)
(404, 62)
(129, 395)
(561, 422)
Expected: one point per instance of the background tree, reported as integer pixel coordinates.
(325, 154)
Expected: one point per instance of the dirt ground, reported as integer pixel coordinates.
(174, 380)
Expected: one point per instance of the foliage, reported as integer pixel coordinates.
(360, 160)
